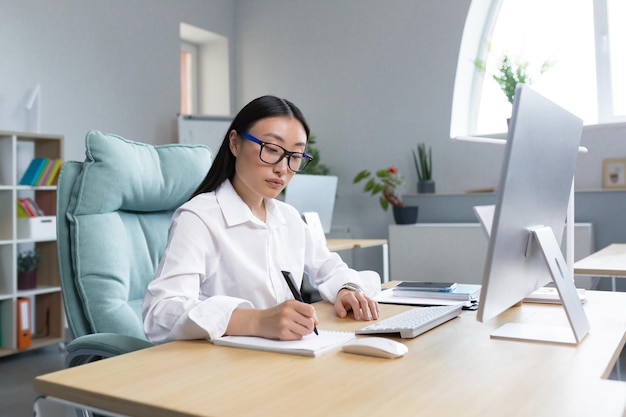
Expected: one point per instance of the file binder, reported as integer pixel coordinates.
(23, 323)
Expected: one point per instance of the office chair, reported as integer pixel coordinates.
(113, 214)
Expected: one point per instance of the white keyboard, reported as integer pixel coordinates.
(413, 322)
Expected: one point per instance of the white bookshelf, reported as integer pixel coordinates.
(17, 149)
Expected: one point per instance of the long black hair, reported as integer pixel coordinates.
(223, 167)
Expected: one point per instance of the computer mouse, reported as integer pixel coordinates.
(376, 346)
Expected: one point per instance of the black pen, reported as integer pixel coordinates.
(294, 290)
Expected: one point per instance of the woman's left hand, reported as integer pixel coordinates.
(363, 307)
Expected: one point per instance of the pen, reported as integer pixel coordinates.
(294, 290)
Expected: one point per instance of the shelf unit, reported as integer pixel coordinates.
(47, 325)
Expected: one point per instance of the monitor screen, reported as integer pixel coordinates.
(535, 184)
(313, 193)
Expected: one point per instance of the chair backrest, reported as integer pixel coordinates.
(113, 214)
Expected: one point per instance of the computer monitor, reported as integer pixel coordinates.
(524, 251)
(313, 193)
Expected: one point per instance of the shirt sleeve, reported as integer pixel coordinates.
(173, 307)
(328, 272)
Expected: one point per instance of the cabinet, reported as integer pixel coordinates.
(47, 321)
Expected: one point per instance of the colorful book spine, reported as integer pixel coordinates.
(45, 172)
(24, 209)
(55, 171)
(28, 208)
(33, 171)
(34, 207)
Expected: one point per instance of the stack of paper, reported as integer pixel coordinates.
(466, 294)
(461, 292)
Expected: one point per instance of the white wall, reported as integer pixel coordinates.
(375, 78)
(106, 65)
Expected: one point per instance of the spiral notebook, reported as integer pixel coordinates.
(310, 345)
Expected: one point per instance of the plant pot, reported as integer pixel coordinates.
(426, 187)
(26, 280)
(405, 215)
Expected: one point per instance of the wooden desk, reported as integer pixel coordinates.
(453, 370)
(608, 262)
(336, 245)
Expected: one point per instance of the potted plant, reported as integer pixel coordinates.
(385, 183)
(315, 167)
(511, 72)
(27, 265)
(423, 160)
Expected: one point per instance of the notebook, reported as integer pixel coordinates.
(310, 345)
(387, 297)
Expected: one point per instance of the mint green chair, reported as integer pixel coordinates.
(113, 214)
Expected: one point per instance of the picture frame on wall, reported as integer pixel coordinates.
(614, 173)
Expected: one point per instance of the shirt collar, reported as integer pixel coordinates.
(236, 211)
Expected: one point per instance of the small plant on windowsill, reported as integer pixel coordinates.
(511, 72)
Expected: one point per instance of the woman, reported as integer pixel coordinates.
(221, 270)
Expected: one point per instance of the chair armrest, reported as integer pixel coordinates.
(92, 347)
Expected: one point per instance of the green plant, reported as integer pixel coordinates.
(385, 182)
(511, 72)
(423, 160)
(315, 167)
(28, 261)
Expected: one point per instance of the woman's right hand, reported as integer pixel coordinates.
(290, 320)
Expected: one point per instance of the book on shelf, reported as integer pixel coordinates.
(33, 171)
(56, 167)
(310, 345)
(41, 171)
(26, 207)
(45, 172)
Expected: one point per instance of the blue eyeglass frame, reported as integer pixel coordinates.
(286, 153)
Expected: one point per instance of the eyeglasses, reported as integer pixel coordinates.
(272, 154)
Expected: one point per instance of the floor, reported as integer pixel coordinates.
(18, 371)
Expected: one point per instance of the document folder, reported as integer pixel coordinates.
(23, 323)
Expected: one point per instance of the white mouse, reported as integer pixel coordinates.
(376, 346)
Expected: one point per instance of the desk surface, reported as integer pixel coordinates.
(345, 244)
(452, 370)
(610, 261)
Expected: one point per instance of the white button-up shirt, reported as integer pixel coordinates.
(220, 257)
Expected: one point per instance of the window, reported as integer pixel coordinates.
(204, 72)
(581, 39)
(188, 78)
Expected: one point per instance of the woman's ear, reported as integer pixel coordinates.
(233, 142)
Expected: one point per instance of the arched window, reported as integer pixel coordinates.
(579, 40)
